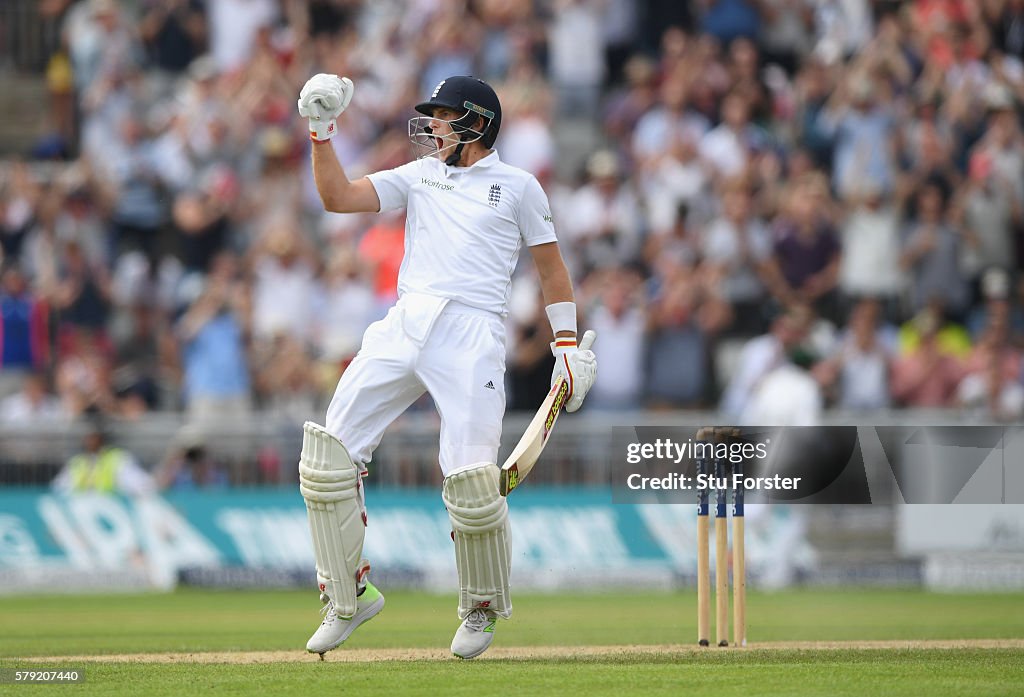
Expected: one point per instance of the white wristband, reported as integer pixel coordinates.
(562, 317)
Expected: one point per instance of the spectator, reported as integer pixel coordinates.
(382, 250)
(83, 374)
(931, 252)
(786, 32)
(24, 324)
(78, 218)
(994, 349)
(142, 363)
(527, 141)
(101, 46)
(811, 91)
(216, 379)
(992, 212)
(202, 219)
(189, 465)
(284, 377)
(764, 354)
(577, 44)
(727, 20)
(736, 249)
(17, 212)
(202, 119)
(930, 143)
(673, 120)
(451, 43)
(276, 193)
(927, 376)
(678, 178)
(1002, 144)
(234, 25)
(33, 405)
(806, 249)
(842, 27)
(675, 245)
(102, 468)
(870, 233)
(40, 255)
(677, 359)
(284, 283)
(987, 394)
(344, 305)
(139, 210)
(625, 107)
(1007, 19)
(861, 367)
(603, 218)
(82, 296)
(991, 387)
(996, 306)
(788, 395)
(619, 321)
(863, 130)
(952, 338)
(173, 32)
(619, 25)
(729, 147)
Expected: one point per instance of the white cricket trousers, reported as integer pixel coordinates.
(460, 361)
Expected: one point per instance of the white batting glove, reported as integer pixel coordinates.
(322, 100)
(578, 364)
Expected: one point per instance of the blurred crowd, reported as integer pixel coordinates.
(769, 207)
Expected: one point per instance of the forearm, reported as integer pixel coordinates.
(331, 181)
(825, 280)
(774, 281)
(339, 195)
(557, 288)
(555, 283)
(195, 319)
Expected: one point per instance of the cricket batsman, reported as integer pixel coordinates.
(467, 216)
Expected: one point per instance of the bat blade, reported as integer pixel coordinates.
(526, 453)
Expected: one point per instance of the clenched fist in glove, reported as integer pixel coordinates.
(322, 100)
(578, 364)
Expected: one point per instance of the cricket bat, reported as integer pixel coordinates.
(524, 456)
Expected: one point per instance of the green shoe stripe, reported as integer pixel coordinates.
(490, 627)
(370, 594)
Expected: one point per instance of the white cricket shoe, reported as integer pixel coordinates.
(335, 630)
(475, 633)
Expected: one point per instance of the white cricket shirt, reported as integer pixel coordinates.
(464, 227)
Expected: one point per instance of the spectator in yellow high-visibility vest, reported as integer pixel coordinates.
(103, 468)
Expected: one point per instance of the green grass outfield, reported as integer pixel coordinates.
(259, 638)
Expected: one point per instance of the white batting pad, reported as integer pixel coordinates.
(483, 554)
(328, 480)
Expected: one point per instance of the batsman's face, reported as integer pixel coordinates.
(440, 120)
(435, 134)
(441, 129)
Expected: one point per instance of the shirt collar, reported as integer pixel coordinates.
(484, 162)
